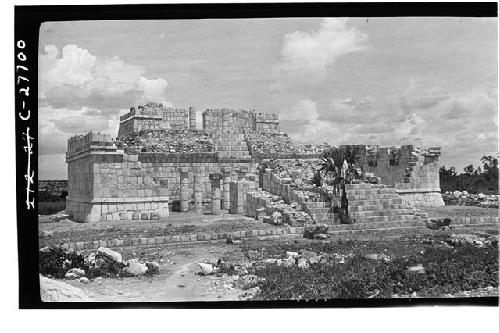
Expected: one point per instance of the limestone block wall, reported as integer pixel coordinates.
(267, 122)
(153, 116)
(105, 183)
(228, 121)
(414, 172)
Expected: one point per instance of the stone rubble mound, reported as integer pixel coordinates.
(276, 143)
(278, 212)
(464, 198)
(168, 141)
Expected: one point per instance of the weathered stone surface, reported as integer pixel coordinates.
(57, 291)
(109, 254)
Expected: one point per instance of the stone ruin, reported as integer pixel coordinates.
(161, 162)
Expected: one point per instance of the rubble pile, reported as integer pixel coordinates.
(103, 263)
(268, 143)
(274, 143)
(463, 198)
(277, 211)
(452, 240)
(299, 174)
(171, 141)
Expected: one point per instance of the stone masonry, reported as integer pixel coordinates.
(108, 183)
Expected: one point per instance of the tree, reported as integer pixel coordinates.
(490, 165)
(469, 169)
(338, 164)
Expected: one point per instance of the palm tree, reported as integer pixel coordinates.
(338, 169)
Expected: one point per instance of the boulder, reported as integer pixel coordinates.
(207, 269)
(109, 254)
(308, 254)
(74, 273)
(57, 291)
(417, 269)
(134, 268)
(153, 267)
(84, 280)
(303, 263)
(481, 196)
(457, 194)
(291, 254)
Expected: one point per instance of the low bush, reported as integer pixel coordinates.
(447, 270)
(48, 208)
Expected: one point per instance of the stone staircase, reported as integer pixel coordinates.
(321, 212)
(378, 203)
(231, 146)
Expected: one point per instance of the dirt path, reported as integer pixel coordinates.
(178, 280)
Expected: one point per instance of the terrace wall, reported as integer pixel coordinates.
(109, 184)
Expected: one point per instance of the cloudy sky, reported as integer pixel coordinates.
(426, 81)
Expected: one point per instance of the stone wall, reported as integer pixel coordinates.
(153, 116)
(228, 121)
(108, 184)
(414, 172)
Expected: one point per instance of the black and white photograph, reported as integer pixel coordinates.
(259, 160)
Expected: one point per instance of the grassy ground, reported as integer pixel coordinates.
(448, 270)
(52, 207)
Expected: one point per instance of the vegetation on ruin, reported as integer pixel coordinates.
(338, 168)
(448, 270)
(480, 180)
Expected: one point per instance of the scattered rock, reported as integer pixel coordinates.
(109, 254)
(303, 263)
(207, 269)
(47, 233)
(417, 269)
(153, 268)
(134, 268)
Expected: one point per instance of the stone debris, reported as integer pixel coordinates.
(463, 198)
(436, 224)
(277, 210)
(417, 269)
(134, 268)
(316, 231)
(109, 254)
(57, 291)
(280, 143)
(74, 273)
(168, 141)
(207, 269)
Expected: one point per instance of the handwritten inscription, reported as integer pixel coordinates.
(23, 89)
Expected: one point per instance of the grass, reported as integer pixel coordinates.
(48, 208)
(448, 270)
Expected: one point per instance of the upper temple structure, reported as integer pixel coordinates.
(236, 161)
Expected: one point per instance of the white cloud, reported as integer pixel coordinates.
(304, 110)
(310, 53)
(77, 78)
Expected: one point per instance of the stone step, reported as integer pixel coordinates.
(382, 213)
(357, 197)
(319, 210)
(375, 219)
(317, 204)
(376, 225)
(372, 191)
(371, 202)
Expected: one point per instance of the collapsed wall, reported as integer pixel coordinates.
(413, 171)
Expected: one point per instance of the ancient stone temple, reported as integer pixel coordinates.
(161, 161)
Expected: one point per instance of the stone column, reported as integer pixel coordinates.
(215, 186)
(198, 193)
(225, 188)
(192, 118)
(184, 195)
(242, 172)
